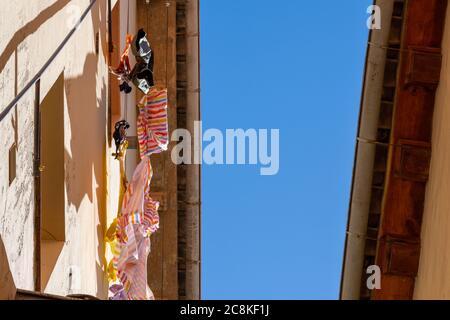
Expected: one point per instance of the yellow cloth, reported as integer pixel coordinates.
(110, 236)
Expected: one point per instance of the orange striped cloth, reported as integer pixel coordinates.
(152, 127)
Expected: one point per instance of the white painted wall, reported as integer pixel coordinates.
(433, 279)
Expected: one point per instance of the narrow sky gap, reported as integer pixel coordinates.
(296, 66)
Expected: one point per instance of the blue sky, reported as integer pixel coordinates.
(296, 66)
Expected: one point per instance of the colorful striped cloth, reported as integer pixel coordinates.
(129, 235)
(129, 238)
(152, 127)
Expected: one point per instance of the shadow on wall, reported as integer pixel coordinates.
(7, 287)
(28, 29)
(85, 163)
(99, 22)
(52, 179)
(85, 166)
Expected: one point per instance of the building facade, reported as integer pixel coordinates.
(59, 183)
(399, 208)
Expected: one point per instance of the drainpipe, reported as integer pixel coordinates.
(365, 156)
(37, 187)
(110, 39)
(193, 197)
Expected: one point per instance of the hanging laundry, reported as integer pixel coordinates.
(120, 135)
(125, 87)
(141, 48)
(142, 73)
(124, 69)
(129, 235)
(111, 235)
(137, 221)
(152, 125)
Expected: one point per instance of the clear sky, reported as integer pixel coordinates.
(297, 66)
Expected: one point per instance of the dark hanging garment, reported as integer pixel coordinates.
(142, 73)
(120, 135)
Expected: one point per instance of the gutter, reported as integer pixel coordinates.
(365, 156)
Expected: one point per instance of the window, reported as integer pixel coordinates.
(52, 179)
(12, 163)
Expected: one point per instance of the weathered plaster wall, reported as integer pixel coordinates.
(433, 280)
(31, 31)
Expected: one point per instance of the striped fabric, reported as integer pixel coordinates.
(129, 235)
(130, 241)
(152, 124)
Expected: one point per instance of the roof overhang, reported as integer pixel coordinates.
(393, 151)
(365, 155)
